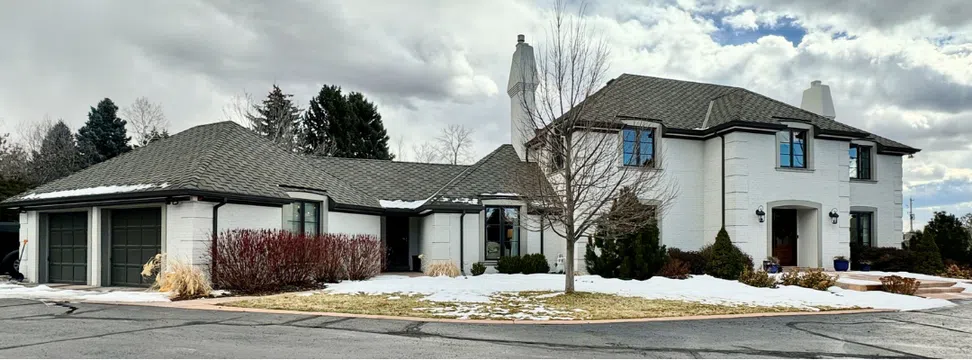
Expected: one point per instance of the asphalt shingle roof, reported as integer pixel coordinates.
(225, 158)
(680, 104)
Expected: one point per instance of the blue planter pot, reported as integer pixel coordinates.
(866, 267)
(841, 265)
(773, 269)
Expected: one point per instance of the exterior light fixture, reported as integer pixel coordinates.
(761, 214)
(833, 216)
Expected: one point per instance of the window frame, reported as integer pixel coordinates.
(636, 151)
(557, 157)
(857, 231)
(516, 227)
(301, 219)
(792, 134)
(862, 170)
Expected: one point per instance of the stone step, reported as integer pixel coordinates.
(935, 284)
(938, 290)
(948, 296)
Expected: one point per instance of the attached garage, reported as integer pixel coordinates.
(136, 236)
(67, 245)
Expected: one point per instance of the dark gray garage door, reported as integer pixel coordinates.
(136, 236)
(67, 244)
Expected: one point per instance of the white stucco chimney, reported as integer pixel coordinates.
(522, 90)
(817, 99)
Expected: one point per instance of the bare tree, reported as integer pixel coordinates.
(575, 141)
(32, 133)
(425, 152)
(147, 120)
(455, 144)
(238, 109)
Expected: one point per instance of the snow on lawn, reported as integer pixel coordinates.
(43, 292)
(703, 288)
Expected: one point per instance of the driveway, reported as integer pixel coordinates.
(35, 329)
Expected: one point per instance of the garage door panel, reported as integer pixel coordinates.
(136, 238)
(67, 244)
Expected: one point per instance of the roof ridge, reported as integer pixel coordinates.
(389, 161)
(207, 158)
(465, 173)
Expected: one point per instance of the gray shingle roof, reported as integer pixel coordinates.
(225, 158)
(683, 105)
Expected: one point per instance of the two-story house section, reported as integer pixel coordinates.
(785, 181)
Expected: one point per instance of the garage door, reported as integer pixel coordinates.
(67, 244)
(136, 236)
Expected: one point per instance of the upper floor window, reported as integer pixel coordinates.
(639, 146)
(557, 150)
(860, 162)
(793, 148)
(302, 217)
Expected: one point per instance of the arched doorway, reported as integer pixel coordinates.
(793, 232)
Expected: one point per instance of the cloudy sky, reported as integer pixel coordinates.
(902, 69)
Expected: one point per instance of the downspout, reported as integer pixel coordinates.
(212, 244)
(541, 235)
(462, 242)
(723, 137)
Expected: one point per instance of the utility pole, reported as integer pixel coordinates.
(911, 214)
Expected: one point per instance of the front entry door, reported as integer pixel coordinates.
(396, 233)
(785, 236)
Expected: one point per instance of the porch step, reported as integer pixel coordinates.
(948, 296)
(937, 290)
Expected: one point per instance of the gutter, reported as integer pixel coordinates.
(462, 242)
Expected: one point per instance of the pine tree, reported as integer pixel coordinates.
(723, 259)
(635, 255)
(103, 136)
(58, 155)
(276, 118)
(327, 110)
(927, 257)
(343, 126)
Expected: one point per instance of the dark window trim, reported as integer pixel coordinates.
(637, 147)
(864, 169)
(857, 217)
(301, 218)
(806, 146)
(502, 225)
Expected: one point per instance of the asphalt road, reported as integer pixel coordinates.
(36, 329)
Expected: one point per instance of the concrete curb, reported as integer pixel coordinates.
(216, 304)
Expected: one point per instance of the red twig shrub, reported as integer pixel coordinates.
(260, 261)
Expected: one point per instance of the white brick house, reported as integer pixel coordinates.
(735, 153)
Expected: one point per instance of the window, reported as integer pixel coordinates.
(302, 217)
(502, 232)
(860, 162)
(793, 148)
(557, 150)
(639, 146)
(860, 228)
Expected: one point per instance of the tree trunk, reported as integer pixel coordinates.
(569, 267)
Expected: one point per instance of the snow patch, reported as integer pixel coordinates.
(704, 289)
(44, 292)
(98, 190)
(500, 194)
(401, 204)
(459, 200)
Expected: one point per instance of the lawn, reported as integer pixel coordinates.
(528, 305)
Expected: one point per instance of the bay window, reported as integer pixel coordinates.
(502, 232)
(302, 217)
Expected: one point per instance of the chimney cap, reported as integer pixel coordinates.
(816, 83)
(520, 38)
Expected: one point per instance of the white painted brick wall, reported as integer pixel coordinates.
(885, 195)
(353, 224)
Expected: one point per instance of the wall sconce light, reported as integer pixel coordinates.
(833, 216)
(761, 214)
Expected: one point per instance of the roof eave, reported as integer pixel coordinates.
(81, 200)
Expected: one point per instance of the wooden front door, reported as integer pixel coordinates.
(785, 236)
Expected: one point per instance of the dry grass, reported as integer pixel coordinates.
(442, 268)
(506, 306)
(184, 281)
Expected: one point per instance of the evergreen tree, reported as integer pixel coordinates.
(724, 260)
(103, 136)
(951, 237)
(635, 255)
(343, 126)
(927, 257)
(276, 118)
(58, 155)
(326, 111)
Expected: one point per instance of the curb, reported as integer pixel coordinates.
(215, 304)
